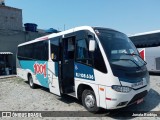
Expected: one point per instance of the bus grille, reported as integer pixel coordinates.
(138, 96)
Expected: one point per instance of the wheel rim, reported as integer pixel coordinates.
(90, 101)
(31, 81)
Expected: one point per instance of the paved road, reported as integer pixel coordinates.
(16, 95)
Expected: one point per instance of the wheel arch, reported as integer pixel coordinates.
(88, 86)
(28, 75)
(82, 86)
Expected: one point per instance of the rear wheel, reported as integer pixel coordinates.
(89, 101)
(31, 84)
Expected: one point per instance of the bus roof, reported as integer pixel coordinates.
(57, 34)
(102, 28)
(145, 33)
(63, 33)
(146, 39)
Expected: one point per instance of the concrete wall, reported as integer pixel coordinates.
(9, 41)
(12, 33)
(10, 18)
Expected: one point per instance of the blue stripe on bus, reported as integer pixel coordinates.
(83, 71)
(39, 68)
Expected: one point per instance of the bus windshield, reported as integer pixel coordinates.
(119, 49)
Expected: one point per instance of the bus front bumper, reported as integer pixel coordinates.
(116, 99)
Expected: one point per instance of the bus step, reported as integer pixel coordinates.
(69, 89)
(73, 94)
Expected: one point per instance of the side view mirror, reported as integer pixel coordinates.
(92, 45)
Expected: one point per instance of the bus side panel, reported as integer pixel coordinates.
(147, 55)
(102, 96)
(151, 54)
(97, 80)
(103, 80)
(38, 70)
(53, 77)
(22, 73)
(150, 63)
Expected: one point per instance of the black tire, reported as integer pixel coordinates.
(89, 96)
(31, 84)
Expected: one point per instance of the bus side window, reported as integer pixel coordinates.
(99, 63)
(69, 48)
(55, 49)
(21, 52)
(39, 50)
(82, 52)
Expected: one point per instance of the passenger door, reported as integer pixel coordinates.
(53, 66)
(67, 68)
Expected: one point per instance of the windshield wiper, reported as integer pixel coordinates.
(138, 56)
(128, 59)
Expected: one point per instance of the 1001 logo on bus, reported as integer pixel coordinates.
(40, 69)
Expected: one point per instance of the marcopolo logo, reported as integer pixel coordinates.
(40, 69)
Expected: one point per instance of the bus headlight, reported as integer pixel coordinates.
(123, 89)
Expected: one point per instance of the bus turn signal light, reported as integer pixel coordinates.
(101, 89)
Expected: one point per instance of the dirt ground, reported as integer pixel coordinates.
(16, 95)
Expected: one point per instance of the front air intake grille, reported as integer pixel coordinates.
(138, 96)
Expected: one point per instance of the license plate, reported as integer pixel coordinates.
(139, 101)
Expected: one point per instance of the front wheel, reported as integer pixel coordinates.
(89, 101)
(31, 84)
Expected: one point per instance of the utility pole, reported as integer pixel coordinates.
(64, 27)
